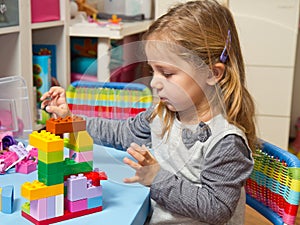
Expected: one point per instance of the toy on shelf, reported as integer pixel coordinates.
(7, 199)
(69, 187)
(114, 23)
(114, 19)
(83, 6)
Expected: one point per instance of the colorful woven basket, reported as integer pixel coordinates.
(273, 188)
(111, 100)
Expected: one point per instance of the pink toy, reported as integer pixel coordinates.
(29, 163)
(7, 158)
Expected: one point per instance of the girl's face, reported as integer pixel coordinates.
(176, 82)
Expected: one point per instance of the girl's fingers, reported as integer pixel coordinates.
(139, 156)
(131, 163)
(45, 103)
(131, 179)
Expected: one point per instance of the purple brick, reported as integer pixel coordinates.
(77, 187)
(94, 191)
(38, 209)
(51, 207)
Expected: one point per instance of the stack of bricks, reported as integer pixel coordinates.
(66, 187)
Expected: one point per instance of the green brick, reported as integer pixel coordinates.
(26, 208)
(72, 167)
(50, 168)
(52, 179)
(51, 157)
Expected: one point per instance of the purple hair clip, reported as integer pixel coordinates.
(224, 54)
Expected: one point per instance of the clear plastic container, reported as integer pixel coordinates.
(128, 7)
(15, 113)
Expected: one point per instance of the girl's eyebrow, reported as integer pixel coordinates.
(160, 66)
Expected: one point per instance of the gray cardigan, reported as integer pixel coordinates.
(199, 182)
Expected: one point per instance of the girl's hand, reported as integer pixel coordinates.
(54, 101)
(146, 166)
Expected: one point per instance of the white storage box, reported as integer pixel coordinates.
(128, 7)
(15, 113)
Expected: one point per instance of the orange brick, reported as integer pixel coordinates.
(68, 124)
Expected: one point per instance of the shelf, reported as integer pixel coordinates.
(9, 30)
(45, 25)
(85, 29)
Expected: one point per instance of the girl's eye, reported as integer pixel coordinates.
(167, 74)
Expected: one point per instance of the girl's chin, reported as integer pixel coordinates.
(170, 107)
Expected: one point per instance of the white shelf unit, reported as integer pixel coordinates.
(104, 36)
(268, 33)
(16, 46)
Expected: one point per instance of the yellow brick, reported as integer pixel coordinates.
(37, 190)
(80, 139)
(46, 141)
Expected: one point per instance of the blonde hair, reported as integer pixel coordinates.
(202, 27)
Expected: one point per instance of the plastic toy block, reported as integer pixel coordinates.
(51, 179)
(76, 148)
(38, 209)
(94, 202)
(7, 199)
(45, 141)
(81, 139)
(20, 150)
(71, 167)
(7, 158)
(50, 168)
(26, 166)
(77, 187)
(81, 156)
(26, 207)
(51, 157)
(33, 152)
(37, 190)
(66, 125)
(59, 205)
(94, 191)
(75, 206)
(95, 177)
(50, 207)
(66, 216)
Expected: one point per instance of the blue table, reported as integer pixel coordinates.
(122, 203)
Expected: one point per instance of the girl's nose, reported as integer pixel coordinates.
(156, 82)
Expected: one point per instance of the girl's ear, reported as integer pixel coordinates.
(216, 74)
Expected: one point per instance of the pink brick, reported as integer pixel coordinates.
(75, 206)
(26, 166)
(6, 159)
(81, 156)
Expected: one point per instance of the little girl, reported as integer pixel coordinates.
(201, 130)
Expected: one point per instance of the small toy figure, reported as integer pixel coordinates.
(114, 19)
(83, 6)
